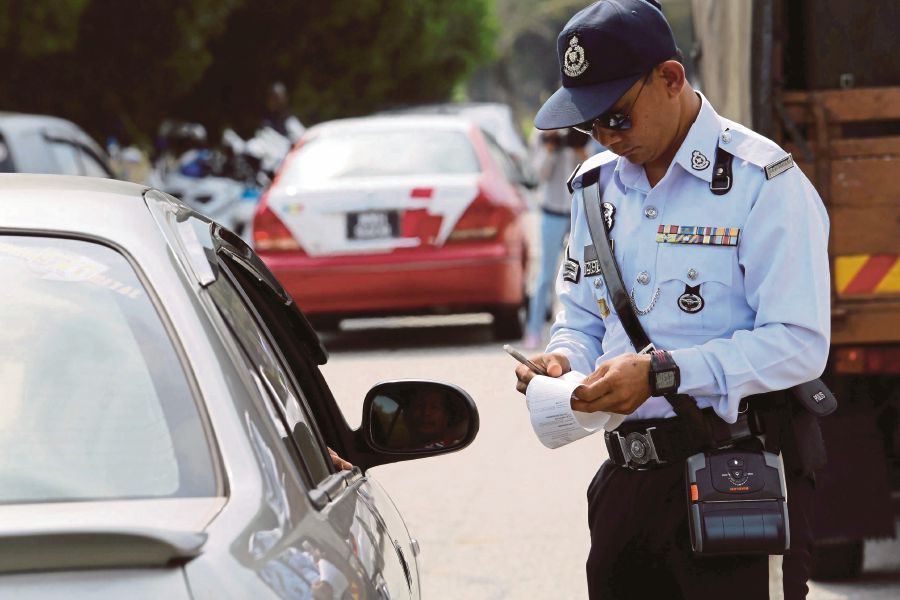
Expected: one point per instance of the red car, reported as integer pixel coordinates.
(397, 215)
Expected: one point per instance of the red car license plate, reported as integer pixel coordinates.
(373, 225)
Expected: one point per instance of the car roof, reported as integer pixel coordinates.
(395, 122)
(494, 117)
(28, 121)
(64, 203)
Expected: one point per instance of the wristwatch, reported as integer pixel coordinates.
(665, 377)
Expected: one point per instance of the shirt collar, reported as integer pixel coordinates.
(631, 176)
(697, 150)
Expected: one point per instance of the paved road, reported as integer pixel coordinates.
(505, 518)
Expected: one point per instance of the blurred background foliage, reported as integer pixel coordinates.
(119, 68)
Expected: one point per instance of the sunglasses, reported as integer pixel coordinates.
(615, 121)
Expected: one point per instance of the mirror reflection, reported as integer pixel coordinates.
(419, 418)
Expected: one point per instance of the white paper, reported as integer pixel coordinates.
(552, 417)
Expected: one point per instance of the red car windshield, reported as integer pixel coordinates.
(355, 154)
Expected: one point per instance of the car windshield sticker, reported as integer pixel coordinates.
(56, 265)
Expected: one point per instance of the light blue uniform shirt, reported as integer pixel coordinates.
(764, 319)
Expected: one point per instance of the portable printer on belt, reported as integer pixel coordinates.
(737, 503)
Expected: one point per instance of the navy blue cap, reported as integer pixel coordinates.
(603, 50)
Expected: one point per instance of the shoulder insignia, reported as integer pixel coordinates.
(779, 166)
(748, 146)
(588, 172)
(571, 268)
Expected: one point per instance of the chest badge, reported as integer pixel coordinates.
(609, 215)
(691, 301)
(575, 62)
(699, 162)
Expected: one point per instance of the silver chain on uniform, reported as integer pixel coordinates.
(649, 306)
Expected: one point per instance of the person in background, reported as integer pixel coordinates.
(279, 116)
(557, 155)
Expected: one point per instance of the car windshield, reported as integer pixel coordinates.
(95, 402)
(383, 153)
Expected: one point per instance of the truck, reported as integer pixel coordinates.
(822, 78)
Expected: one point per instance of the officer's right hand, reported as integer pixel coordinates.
(555, 364)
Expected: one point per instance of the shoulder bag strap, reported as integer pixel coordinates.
(610, 269)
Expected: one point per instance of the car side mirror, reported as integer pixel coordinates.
(418, 418)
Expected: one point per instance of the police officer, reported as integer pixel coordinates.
(725, 263)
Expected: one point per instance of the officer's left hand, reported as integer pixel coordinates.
(619, 385)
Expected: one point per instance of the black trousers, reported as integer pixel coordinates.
(641, 546)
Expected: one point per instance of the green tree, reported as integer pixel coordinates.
(106, 64)
(121, 67)
(340, 57)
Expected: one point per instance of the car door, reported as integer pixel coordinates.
(283, 359)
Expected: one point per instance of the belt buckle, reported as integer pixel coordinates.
(638, 448)
(648, 349)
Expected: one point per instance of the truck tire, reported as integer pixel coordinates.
(509, 323)
(837, 560)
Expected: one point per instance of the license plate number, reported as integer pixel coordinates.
(373, 225)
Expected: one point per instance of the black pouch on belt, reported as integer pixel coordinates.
(737, 502)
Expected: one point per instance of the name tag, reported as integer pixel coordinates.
(591, 263)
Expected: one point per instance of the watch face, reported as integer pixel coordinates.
(665, 380)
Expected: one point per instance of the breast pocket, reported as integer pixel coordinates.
(695, 285)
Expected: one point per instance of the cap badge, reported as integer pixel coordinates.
(698, 161)
(574, 63)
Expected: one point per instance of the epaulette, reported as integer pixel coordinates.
(588, 172)
(747, 145)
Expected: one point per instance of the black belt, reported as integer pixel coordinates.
(653, 443)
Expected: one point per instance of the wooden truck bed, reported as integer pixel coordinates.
(857, 178)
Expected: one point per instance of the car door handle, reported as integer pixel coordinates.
(332, 486)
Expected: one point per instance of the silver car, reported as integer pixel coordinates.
(165, 429)
(44, 144)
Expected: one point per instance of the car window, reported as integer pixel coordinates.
(235, 301)
(353, 154)
(91, 166)
(66, 156)
(501, 159)
(95, 400)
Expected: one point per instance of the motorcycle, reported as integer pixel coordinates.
(223, 183)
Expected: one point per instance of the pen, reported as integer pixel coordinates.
(521, 358)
